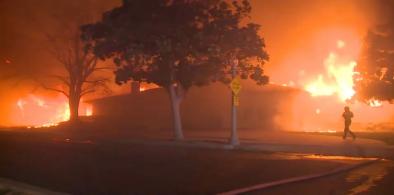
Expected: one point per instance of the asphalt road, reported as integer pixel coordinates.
(90, 167)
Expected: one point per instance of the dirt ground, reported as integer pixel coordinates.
(87, 167)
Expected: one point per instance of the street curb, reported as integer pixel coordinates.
(16, 187)
(297, 179)
(340, 151)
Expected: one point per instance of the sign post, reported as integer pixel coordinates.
(235, 86)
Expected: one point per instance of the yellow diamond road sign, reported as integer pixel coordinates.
(235, 85)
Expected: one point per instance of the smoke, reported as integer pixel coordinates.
(384, 12)
(24, 46)
(298, 33)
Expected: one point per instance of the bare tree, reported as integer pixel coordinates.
(79, 65)
(78, 74)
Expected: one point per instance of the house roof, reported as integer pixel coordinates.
(270, 88)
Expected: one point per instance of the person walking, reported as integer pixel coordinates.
(348, 115)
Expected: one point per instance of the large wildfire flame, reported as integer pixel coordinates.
(329, 90)
(35, 111)
(338, 79)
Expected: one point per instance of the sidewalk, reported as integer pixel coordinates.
(279, 141)
(260, 140)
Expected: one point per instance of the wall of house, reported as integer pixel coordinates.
(202, 108)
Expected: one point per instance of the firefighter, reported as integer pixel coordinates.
(348, 115)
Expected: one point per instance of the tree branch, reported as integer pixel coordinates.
(52, 89)
(63, 79)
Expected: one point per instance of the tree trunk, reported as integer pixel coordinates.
(74, 106)
(176, 99)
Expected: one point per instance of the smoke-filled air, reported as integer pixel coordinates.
(224, 97)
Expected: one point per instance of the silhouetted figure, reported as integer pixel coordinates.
(348, 115)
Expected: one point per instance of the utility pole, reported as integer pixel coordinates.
(235, 88)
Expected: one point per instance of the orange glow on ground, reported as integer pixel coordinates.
(36, 111)
(314, 156)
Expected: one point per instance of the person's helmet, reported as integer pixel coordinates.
(347, 108)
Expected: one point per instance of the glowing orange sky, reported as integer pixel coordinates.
(298, 34)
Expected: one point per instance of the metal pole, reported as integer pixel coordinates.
(234, 136)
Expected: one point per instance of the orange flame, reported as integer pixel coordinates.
(143, 88)
(35, 111)
(338, 79)
(375, 103)
(89, 110)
